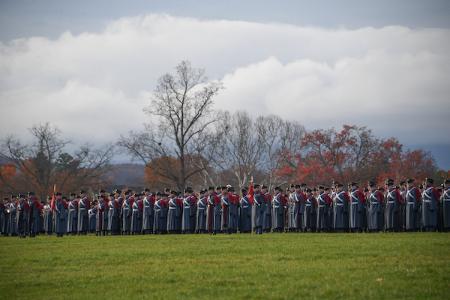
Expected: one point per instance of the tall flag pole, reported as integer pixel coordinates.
(52, 203)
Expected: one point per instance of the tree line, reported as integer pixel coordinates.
(188, 143)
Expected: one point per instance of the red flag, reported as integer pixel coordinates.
(251, 193)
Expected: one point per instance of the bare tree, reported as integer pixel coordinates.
(236, 147)
(280, 137)
(245, 146)
(182, 104)
(45, 162)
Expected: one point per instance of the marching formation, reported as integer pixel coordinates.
(406, 207)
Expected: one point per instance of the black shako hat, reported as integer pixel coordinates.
(389, 181)
(410, 180)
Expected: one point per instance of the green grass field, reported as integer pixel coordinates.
(279, 266)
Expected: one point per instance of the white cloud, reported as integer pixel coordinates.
(94, 85)
(398, 95)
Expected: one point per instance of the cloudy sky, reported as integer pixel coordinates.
(89, 67)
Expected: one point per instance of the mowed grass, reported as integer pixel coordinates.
(277, 266)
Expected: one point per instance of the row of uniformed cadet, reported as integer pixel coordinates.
(220, 210)
(21, 215)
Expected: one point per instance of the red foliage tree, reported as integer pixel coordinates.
(354, 153)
